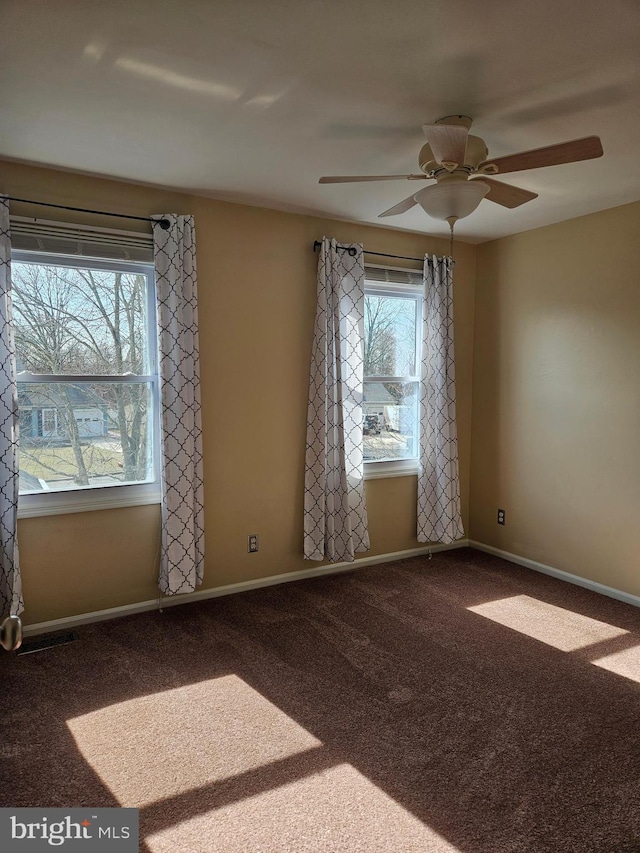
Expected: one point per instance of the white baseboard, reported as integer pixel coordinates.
(609, 591)
(142, 606)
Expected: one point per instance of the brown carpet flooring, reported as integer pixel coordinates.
(458, 705)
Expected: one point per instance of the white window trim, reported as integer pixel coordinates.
(391, 468)
(374, 470)
(87, 499)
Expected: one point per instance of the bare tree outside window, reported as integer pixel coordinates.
(390, 405)
(81, 322)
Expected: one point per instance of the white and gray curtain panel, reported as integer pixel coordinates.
(335, 514)
(439, 518)
(182, 550)
(11, 602)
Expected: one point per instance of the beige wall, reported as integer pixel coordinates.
(256, 299)
(556, 396)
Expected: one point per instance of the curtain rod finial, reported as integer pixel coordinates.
(350, 250)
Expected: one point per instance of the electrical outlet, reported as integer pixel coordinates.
(252, 543)
(500, 516)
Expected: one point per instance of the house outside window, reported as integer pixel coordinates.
(392, 334)
(85, 335)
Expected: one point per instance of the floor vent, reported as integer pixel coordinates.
(42, 643)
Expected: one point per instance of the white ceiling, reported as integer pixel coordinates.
(253, 101)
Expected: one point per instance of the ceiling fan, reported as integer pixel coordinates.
(459, 163)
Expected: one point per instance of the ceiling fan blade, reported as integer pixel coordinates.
(401, 207)
(447, 141)
(347, 179)
(507, 195)
(553, 155)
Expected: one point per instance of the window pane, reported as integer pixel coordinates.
(79, 320)
(390, 420)
(389, 336)
(85, 434)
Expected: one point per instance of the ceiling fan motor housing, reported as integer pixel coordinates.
(476, 153)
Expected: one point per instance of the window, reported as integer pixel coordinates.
(87, 382)
(392, 321)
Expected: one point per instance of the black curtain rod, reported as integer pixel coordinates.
(163, 223)
(352, 252)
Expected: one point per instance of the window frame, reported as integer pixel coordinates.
(89, 498)
(374, 469)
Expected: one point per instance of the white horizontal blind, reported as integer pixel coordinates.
(61, 238)
(393, 275)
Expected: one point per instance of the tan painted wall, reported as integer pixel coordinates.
(256, 273)
(556, 396)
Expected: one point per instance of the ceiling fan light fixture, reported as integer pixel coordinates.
(451, 199)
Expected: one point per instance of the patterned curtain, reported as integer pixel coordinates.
(10, 583)
(335, 515)
(182, 553)
(439, 518)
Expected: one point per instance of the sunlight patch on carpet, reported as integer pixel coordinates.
(161, 745)
(336, 809)
(625, 663)
(555, 626)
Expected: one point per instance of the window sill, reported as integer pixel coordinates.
(87, 500)
(397, 468)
